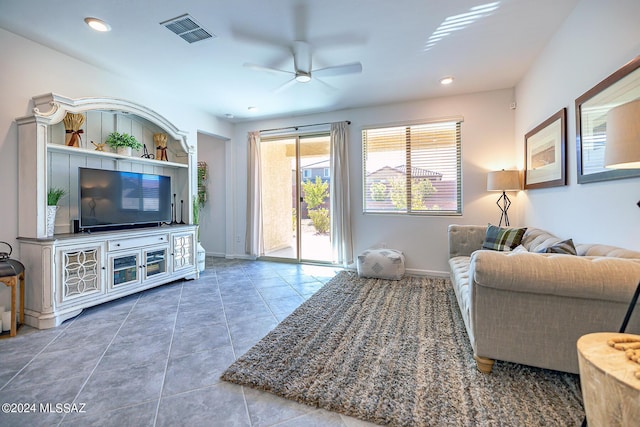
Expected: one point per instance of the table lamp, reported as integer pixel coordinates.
(504, 180)
(622, 151)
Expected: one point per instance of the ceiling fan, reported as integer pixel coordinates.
(303, 72)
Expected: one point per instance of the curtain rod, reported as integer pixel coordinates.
(302, 126)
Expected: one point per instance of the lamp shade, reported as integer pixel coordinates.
(504, 180)
(622, 150)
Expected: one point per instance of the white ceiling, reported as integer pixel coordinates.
(389, 38)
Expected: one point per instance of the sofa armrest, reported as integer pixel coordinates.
(465, 239)
(602, 278)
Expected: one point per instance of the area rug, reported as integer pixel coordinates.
(397, 352)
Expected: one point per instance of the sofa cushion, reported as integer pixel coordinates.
(502, 239)
(606, 251)
(564, 247)
(583, 277)
(520, 249)
(536, 240)
(461, 282)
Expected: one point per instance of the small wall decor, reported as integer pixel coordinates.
(145, 153)
(99, 146)
(202, 187)
(160, 139)
(621, 87)
(545, 153)
(72, 124)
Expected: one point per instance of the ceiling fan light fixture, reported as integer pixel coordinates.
(97, 24)
(303, 77)
(446, 80)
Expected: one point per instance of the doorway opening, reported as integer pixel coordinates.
(296, 198)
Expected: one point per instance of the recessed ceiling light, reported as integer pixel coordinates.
(253, 109)
(98, 24)
(446, 80)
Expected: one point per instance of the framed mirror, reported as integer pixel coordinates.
(591, 122)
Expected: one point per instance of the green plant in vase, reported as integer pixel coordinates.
(123, 142)
(53, 197)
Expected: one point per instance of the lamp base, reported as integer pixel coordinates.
(503, 203)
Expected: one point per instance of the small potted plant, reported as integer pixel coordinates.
(53, 197)
(123, 143)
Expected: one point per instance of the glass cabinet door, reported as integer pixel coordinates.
(156, 262)
(124, 269)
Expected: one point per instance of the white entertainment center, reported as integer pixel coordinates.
(72, 269)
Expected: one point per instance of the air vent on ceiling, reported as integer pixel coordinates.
(187, 28)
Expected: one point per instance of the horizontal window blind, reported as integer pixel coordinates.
(413, 169)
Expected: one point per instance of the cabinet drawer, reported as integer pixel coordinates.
(137, 242)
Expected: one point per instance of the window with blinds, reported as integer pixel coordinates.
(413, 169)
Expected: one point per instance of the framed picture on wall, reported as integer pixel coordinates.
(545, 149)
(592, 108)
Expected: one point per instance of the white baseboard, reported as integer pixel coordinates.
(416, 272)
(216, 254)
(411, 271)
(431, 273)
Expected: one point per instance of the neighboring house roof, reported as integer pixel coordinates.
(320, 164)
(415, 172)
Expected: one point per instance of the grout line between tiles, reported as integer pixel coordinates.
(166, 365)
(33, 358)
(101, 356)
(233, 350)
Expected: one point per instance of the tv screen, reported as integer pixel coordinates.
(117, 199)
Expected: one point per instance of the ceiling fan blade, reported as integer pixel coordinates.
(300, 20)
(267, 69)
(242, 35)
(325, 84)
(301, 56)
(338, 40)
(338, 70)
(284, 86)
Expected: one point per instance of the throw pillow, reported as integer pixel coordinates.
(564, 247)
(502, 239)
(519, 249)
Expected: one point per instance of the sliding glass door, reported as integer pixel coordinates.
(295, 197)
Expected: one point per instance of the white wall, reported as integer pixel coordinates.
(28, 69)
(595, 40)
(487, 144)
(213, 222)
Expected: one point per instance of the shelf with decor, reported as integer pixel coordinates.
(115, 156)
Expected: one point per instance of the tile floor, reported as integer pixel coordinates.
(155, 358)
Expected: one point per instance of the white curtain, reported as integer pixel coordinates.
(253, 242)
(341, 242)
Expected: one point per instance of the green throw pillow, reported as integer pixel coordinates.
(502, 239)
(564, 247)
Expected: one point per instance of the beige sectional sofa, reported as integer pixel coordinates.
(531, 308)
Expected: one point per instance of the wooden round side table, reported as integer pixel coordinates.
(610, 389)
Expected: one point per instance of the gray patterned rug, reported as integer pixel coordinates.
(397, 353)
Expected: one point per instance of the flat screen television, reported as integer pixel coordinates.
(110, 200)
